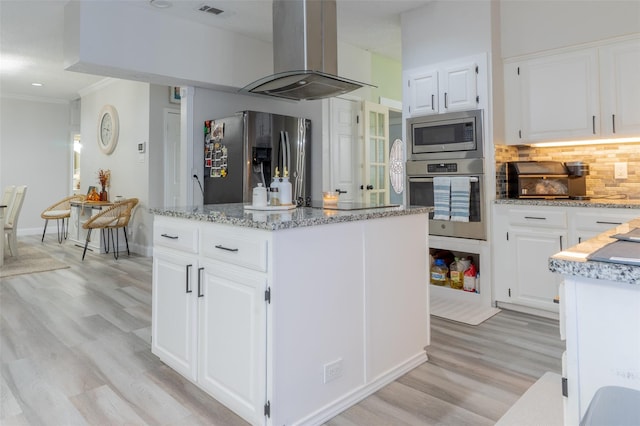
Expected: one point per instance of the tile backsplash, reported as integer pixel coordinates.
(600, 158)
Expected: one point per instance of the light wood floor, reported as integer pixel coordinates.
(74, 349)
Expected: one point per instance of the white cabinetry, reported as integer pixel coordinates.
(526, 236)
(209, 314)
(232, 337)
(584, 93)
(586, 223)
(445, 87)
(603, 340)
(290, 326)
(620, 88)
(174, 314)
(524, 240)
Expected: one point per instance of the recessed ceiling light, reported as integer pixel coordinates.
(37, 84)
(161, 4)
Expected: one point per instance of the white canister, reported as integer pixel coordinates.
(259, 196)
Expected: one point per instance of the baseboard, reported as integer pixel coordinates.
(528, 310)
(338, 406)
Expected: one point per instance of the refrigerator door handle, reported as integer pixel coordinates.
(287, 151)
(300, 160)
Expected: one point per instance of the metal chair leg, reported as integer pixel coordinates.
(86, 243)
(65, 228)
(107, 246)
(46, 221)
(58, 228)
(126, 240)
(115, 243)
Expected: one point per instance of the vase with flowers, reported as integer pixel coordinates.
(104, 176)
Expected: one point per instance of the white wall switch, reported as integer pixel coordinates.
(620, 170)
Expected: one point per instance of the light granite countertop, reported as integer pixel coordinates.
(573, 261)
(594, 202)
(237, 215)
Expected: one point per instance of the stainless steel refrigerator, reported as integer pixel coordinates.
(242, 150)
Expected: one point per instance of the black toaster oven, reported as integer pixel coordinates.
(537, 179)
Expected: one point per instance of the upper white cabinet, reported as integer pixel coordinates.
(620, 88)
(585, 93)
(445, 87)
(423, 89)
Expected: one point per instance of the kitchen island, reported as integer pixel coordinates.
(290, 317)
(600, 317)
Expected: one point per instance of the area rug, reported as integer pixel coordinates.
(460, 311)
(541, 404)
(30, 259)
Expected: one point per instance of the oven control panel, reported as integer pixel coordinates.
(442, 168)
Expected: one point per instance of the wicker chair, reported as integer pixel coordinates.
(60, 211)
(110, 219)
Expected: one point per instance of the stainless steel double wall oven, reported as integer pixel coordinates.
(448, 144)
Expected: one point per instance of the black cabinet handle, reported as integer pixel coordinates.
(226, 248)
(604, 222)
(171, 237)
(560, 242)
(446, 103)
(433, 107)
(339, 191)
(200, 282)
(593, 124)
(613, 122)
(535, 217)
(188, 270)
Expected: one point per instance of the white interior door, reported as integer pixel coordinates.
(344, 148)
(172, 180)
(376, 154)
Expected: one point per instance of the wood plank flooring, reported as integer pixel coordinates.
(74, 350)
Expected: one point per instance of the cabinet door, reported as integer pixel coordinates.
(560, 96)
(533, 284)
(423, 89)
(513, 104)
(232, 337)
(458, 87)
(620, 88)
(504, 258)
(174, 316)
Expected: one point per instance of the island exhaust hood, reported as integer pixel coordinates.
(305, 53)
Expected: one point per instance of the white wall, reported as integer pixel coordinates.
(530, 26)
(35, 150)
(129, 176)
(445, 30)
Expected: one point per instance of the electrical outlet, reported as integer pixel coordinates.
(620, 170)
(333, 370)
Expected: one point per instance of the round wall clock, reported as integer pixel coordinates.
(108, 127)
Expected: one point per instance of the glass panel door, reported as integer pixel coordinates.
(376, 154)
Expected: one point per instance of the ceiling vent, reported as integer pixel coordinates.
(210, 9)
(305, 53)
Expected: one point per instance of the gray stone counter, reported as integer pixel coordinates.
(573, 260)
(595, 202)
(237, 215)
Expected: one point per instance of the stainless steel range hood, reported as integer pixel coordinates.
(305, 53)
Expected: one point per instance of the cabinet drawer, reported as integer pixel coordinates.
(178, 236)
(601, 222)
(241, 247)
(536, 218)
